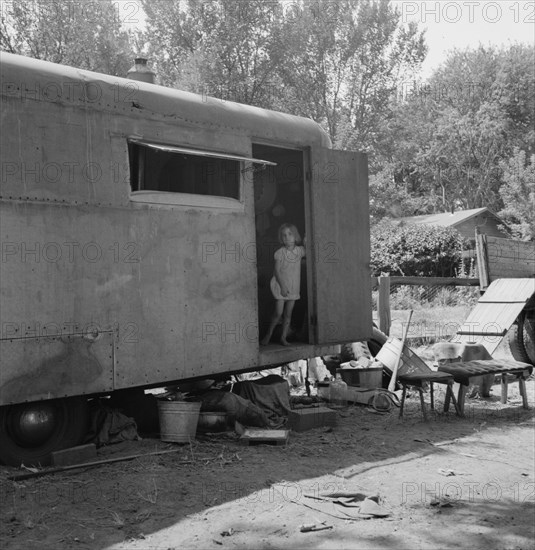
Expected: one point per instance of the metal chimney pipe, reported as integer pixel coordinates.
(141, 72)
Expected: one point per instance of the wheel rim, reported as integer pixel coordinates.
(528, 335)
(33, 424)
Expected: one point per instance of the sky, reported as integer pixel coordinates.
(465, 23)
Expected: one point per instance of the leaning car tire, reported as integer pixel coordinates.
(30, 432)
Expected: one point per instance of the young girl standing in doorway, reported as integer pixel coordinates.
(285, 283)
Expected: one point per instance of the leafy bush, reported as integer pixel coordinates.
(415, 250)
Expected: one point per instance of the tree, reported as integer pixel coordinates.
(518, 194)
(334, 62)
(171, 37)
(85, 34)
(227, 49)
(446, 139)
(462, 159)
(347, 59)
(392, 195)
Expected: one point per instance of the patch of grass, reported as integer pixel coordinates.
(428, 325)
(426, 297)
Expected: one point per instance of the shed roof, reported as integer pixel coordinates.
(448, 219)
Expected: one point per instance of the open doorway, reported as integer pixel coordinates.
(279, 198)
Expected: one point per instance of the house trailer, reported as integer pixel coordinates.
(138, 228)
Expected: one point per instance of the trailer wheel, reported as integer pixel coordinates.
(521, 337)
(29, 432)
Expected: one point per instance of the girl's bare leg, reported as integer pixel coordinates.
(287, 317)
(275, 318)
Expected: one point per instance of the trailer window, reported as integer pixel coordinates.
(170, 169)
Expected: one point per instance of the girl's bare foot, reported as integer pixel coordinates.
(284, 342)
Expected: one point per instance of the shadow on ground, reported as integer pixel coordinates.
(121, 504)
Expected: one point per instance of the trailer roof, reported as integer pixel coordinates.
(42, 80)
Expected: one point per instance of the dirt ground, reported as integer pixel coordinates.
(448, 483)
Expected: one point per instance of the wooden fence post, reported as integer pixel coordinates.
(383, 304)
(482, 260)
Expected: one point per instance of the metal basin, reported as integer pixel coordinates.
(212, 422)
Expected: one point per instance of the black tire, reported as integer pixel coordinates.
(67, 428)
(376, 342)
(521, 337)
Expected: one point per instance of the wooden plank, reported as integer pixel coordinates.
(510, 258)
(511, 248)
(522, 387)
(273, 437)
(509, 290)
(513, 270)
(427, 281)
(39, 473)
(482, 259)
(383, 305)
(504, 301)
(486, 318)
(479, 315)
(502, 333)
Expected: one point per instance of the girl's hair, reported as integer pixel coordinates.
(293, 229)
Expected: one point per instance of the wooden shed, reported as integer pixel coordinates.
(464, 221)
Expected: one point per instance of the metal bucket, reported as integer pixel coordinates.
(178, 420)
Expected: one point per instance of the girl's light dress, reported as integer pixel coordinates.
(290, 271)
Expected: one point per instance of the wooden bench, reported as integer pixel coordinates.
(465, 364)
(464, 373)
